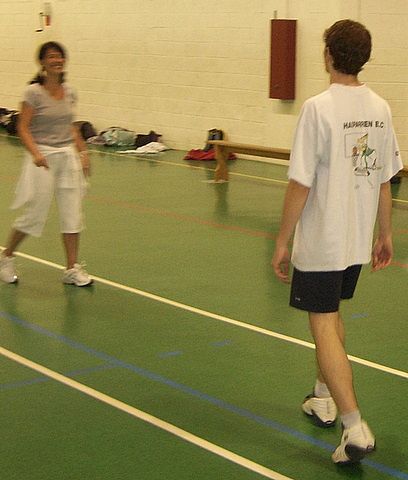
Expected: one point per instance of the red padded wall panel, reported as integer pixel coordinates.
(283, 59)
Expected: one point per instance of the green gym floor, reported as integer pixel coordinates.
(184, 361)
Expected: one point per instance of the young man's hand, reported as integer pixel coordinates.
(280, 263)
(382, 253)
(295, 199)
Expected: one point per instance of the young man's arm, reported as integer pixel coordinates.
(382, 250)
(295, 199)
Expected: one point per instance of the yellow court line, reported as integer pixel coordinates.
(236, 174)
(216, 316)
(267, 179)
(146, 156)
(398, 200)
(194, 167)
(184, 165)
(146, 417)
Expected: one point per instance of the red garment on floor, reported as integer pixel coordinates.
(199, 154)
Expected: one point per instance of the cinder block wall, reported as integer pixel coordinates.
(181, 67)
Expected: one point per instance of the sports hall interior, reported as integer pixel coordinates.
(184, 360)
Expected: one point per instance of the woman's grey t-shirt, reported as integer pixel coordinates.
(52, 120)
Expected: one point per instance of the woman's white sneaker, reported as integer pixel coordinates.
(8, 272)
(77, 276)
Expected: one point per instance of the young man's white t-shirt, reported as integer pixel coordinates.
(344, 148)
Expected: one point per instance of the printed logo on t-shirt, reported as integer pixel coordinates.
(364, 158)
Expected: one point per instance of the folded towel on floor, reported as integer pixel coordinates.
(152, 147)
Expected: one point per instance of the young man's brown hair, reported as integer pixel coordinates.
(349, 44)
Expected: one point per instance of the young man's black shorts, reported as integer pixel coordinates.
(321, 292)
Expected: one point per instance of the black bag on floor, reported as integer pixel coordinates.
(86, 129)
(8, 120)
(213, 134)
(142, 139)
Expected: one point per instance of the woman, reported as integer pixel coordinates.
(56, 163)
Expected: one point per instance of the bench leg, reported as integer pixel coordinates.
(221, 170)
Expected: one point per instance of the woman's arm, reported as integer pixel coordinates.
(82, 149)
(23, 130)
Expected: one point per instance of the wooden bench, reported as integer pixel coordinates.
(223, 148)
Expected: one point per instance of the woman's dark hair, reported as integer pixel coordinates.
(42, 52)
(349, 44)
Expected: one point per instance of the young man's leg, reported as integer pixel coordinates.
(333, 364)
(342, 336)
(320, 405)
(320, 293)
(335, 369)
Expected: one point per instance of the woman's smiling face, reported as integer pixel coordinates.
(53, 62)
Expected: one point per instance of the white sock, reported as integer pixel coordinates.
(351, 419)
(321, 390)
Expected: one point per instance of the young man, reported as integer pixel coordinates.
(343, 156)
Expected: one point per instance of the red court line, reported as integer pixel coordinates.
(200, 221)
(400, 231)
(184, 218)
(399, 264)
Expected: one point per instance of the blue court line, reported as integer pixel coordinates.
(177, 353)
(170, 354)
(35, 381)
(359, 315)
(196, 393)
(221, 343)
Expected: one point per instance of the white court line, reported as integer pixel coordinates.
(146, 417)
(215, 316)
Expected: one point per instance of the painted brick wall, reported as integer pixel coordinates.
(181, 67)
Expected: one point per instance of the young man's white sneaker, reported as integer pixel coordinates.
(8, 272)
(77, 275)
(322, 410)
(356, 443)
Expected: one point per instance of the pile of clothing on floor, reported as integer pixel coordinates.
(112, 136)
(8, 120)
(208, 152)
(116, 136)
